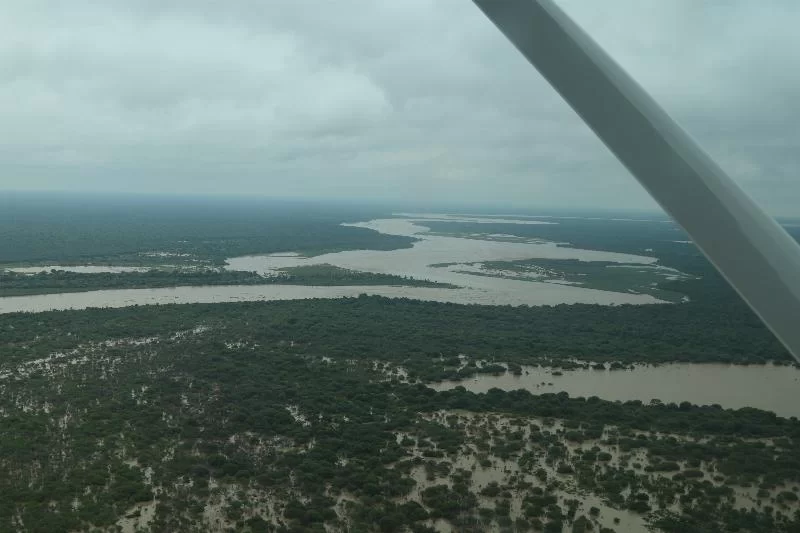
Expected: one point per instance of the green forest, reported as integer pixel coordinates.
(316, 415)
(68, 230)
(290, 416)
(408, 329)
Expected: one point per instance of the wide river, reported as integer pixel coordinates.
(416, 262)
(768, 387)
(773, 388)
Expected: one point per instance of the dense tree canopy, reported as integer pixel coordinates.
(290, 401)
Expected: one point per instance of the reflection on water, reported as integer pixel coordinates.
(768, 387)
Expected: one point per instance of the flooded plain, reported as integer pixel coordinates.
(768, 387)
(433, 257)
(456, 261)
(449, 260)
(275, 292)
(436, 258)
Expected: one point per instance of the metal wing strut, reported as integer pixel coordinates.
(757, 257)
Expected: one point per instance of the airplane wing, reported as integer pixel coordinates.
(757, 257)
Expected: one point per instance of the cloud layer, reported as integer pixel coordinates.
(368, 99)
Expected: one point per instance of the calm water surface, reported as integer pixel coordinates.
(430, 250)
(253, 293)
(415, 262)
(768, 387)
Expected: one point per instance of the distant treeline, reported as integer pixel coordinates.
(71, 230)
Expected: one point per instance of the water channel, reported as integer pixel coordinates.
(416, 262)
(769, 387)
(447, 259)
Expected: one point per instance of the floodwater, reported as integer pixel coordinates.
(82, 269)
(458, 254)
(768, 387)
(416, 262)
(251, 293)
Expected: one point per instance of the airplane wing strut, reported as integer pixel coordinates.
(757, 257)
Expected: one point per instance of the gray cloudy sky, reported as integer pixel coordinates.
(399, 99)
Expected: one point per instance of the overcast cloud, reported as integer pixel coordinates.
(399, 99)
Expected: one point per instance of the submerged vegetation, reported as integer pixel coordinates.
(413, 332)
(601, 275)
(285, 416)
(317, 415)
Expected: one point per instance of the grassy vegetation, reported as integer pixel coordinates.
(600, 275)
